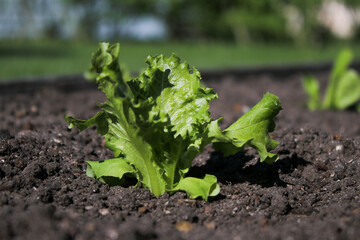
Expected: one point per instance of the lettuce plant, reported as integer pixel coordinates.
(157, 123)
(342, 91)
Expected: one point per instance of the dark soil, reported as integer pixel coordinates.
(312, 192)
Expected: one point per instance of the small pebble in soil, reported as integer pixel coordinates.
(142, 209)
(34, 109)
(104, 211)
(210, 225)
(89, 207)
(112, 234)
(339, 147)
(184, 226)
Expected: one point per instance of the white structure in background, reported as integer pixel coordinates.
(140, 28)
(143, 28)
(338, 18)
(294, 20)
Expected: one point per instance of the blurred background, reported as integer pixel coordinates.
(57, 37)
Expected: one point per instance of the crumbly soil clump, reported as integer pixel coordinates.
(311, 192)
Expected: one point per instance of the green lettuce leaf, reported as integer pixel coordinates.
(157, 123)
(116, 123)
(251, 129)
(196, 187)
(111, 168)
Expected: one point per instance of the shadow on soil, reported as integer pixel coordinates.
(243, 167)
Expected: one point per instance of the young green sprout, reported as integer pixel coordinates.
(343, 90)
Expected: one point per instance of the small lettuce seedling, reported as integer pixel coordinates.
(157, 123)
(342, 91)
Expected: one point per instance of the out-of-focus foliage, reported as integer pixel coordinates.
(235, 20)
(343, 89)
(229, 20)
(91, 15)
(260, 20)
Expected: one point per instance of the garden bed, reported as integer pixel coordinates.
(312, 192)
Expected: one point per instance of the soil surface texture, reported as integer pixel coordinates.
(311, 192)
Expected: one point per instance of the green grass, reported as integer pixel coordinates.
(20, 59)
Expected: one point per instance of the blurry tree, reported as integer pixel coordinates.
(133, 7)
(311, 31)
(91, 13)
(177, 14)
(210, 21)
(351, 3)
(27, 17)
(199, 19)
(257, 20)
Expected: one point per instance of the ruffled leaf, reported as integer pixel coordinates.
(181, 99)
